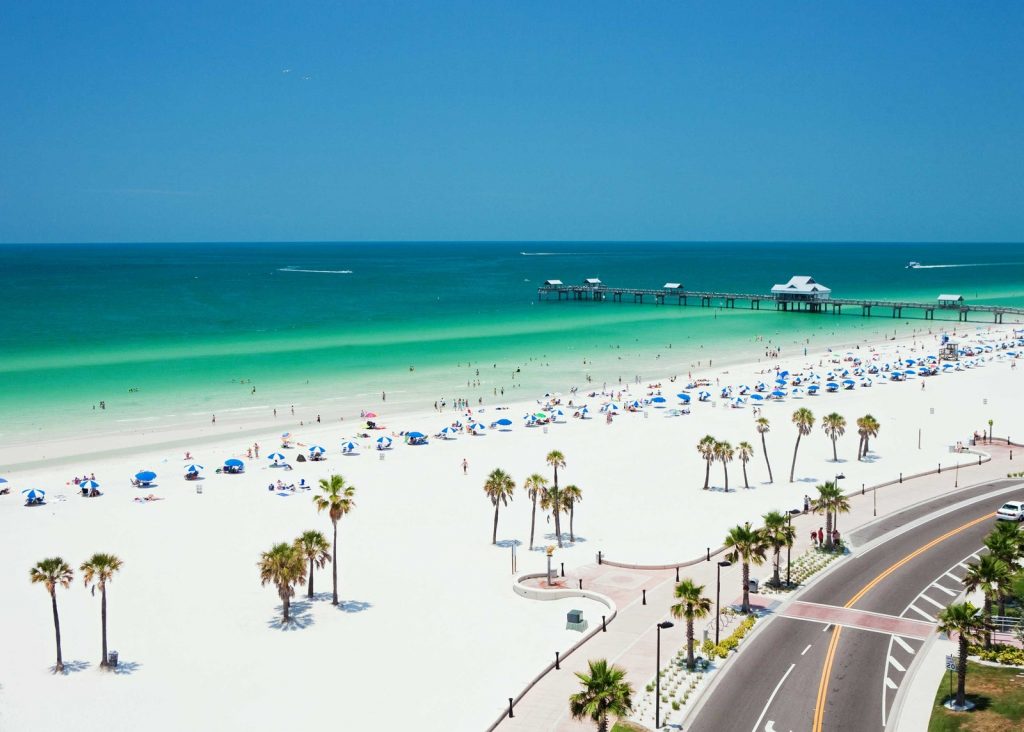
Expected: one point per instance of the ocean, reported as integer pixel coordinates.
(179, 332)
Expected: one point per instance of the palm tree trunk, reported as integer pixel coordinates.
(866, 445)
(961, 672)
(286, 604)
(792, 470)
(745, 483)
(778, 559)
(828, 530)
(860, 448)
(533, 519)
(103, 621)
(310, 594)
(764, 451)
(707, 473)
(835, 458)
(334, 563)
(558, 526)
(602, 725)
(689, 643)
(725, 467)
(56, 627)
(746, 587)
(494, 533)
(572, 517)
(987, 613)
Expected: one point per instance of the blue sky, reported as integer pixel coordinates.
(263, 121)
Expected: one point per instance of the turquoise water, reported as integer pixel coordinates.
(190, 329)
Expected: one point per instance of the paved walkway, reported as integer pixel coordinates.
(630, 640)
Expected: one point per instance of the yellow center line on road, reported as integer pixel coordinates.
(826, 671)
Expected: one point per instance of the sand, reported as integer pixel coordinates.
(430, 634)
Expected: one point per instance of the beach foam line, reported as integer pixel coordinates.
(316, 271)
(975, 264)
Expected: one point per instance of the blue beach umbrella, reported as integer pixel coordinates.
(778, 393)
(757, 397)
(414, 435)
(317, 449)
(812, 388)
(194, 468)
(89, 485)
(684, 398)
(658, 400)
(275, 457)
(780, 382)
(383, 442)
(3, 480)
(235, 463)
(703, 396)
(476, 427)
(848, 382)
(504, 422)
(34, 494)
(146, 476)
(349, 447)
(832, 386)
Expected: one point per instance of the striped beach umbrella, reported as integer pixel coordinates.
(275, 457)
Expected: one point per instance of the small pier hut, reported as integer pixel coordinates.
(801, 293)
(593, 282)
(950, 301)
(673, 286)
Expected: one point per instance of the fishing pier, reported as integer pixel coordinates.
(800, 294)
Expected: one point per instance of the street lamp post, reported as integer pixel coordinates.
(835, 521)
(550, 550)
(664, 625)
(789, 546)
(718, 595)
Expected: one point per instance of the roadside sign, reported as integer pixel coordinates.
(951, 662)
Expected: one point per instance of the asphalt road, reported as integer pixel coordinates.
(776, 683)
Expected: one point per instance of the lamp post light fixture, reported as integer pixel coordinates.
(835, 522)
(664, 625)
(789, 547)
(550, 550)
(718, 595)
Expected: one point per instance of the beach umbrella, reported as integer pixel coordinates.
(703, 395)
(783, 373)
(275, 456)
(415, 435)
(658, 400)
(757, 397)
(585, 410)
(235, 463)
(383, 442)
(778, 393)
(34, 494)
(317, 449)
(3, 480)
(744, 388)
(760, 386)
(739, 401)
(369, 415)
(910, 372)
(848, 382)
(684, 398)
(349, 447)
(89, 485)
(812, 388)
(504, 422)
(796, 390)
(193, 468)
(636, 404)
(780, 382)
(475, 427)
(146, 476)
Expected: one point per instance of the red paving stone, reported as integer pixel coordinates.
(859, 619)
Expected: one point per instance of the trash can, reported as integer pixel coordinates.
(574, 616)
(752, 585)
(112, 658)
(199, 489)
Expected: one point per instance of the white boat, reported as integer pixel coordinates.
(913, 265)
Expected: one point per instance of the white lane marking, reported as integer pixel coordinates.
(826, 628)
(961, 564)
(757, 724)
(903, 644)
(975, 557)
(946, 590)
(936, 603)
(921, 612)
(806, 649)
(896, 663)
(952, 576)
(890, 684)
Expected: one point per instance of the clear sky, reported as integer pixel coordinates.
(256, 121)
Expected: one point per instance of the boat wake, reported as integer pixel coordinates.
(975, 264)
(546, 254)
(317, 271)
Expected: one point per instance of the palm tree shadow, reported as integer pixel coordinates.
(126, 667)
(354, 606)
(506, 543)
(322, 596)
(299, 617)
(73, 667)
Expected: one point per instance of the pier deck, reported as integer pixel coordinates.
(835, 305)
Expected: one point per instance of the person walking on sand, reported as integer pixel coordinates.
(814, 538)
(256, 448)
(821, 536)
(214, 420)
(465, 466)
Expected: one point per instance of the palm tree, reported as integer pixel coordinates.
(831, 502)
(553, 499)
(338, 500)
(556, 460)
(534, 487)
(764, 427)
(964, 620)
(52, 572)
(744, 451)
(988, 575)
(706, 448)
(692, 606)
(499, 487)
(724, 453)
(315, 549)
(1004, 544)
(747, 546)
(803, 418)
(98, 570)
(835, 427)
(778, 534)
(867, 427)
(605, 692)
(572, 495)
(284, 567)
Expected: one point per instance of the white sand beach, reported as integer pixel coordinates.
(430, 634)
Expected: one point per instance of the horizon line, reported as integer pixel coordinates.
(514, 241)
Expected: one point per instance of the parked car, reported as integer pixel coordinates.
(1011, 511)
